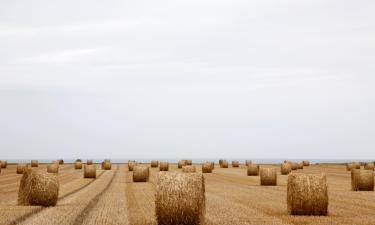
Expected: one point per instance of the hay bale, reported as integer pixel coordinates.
(78, 160)
(369, 166)
(154, 164)
(207, 167)
(181, 163)
(34, 163)
(189, 169)
(349, 166)
(38, 188)
(221, 161)
(252, 170)
(106, 164)
(235, 163)
(268, 176)
(212, 165)
(3, 163)
(78, 165)
(61, 161)
(362, 180)
(90, 162)
(306, 163)
(164, 166)
(180, 199)
(294, 165)
(21, 168)
(248, 162)
(189, 162)
(357, 165)
(89, 171)
(131, 164)
(224, 164)
(307, 194)
(286, 168)
(300, 165)
(53, 168)
(140, 173)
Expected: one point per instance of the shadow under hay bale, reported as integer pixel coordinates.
(21, 168)
(53, 168)
(164, 166)
(253, 170)
(189, 169)
(285, 168)
(141, 173)
(307, 194)
(268, 176)
(362, 180)
(89, 171)
(180, 198)
(38, 188)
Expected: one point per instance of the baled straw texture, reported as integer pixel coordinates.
(362, 180)
(207, 167)
(154, 164)
(306, 163)
(21, 168)
(349, 166)
(61, 161)
(38, 188)
(107, 165)
(224, 164)
(294, 165)
(90, 162)
(268, 176)
(78, 165)
(248, 162)
(141, 173)
(189, 162)
(181, 163)
(164, 166)
(307, 194)
(212, 165)
(3, 163)
(34, 163)
(286, 168)
(89, 171)
(221, 161)
(180, 199)
(253, 170)
(235, 163)
(300, 165)
(357, 165)
(369, 166)
(131, 164)
(53, 168)
(189, 169)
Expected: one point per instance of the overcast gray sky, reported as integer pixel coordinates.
(193, 78)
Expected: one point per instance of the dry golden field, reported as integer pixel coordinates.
(232, 198)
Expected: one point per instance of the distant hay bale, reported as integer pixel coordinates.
(212, 165)
(38, 188)
(369, 166)
(90, 162)
(78, 160)
(357, 165)
(221, 161)
(207, 167)
(306, 163)
(154, 163)
(78, 165)
(300, 165)
(307, 194)
(354, 165)
(34, 163)
(286, 168)
(224, 164)
(294, 165)
(181, 163)
(248, 162)
(3, 163)
(189, 169)
(89, 171)
(362, 180)
(140, 173)
(131, 164)
(189, 162)
(180, 199)
(268, 176)
(253, 170)
(53, 168)
(235, 163)
(61, 161)
(164, 166)
(106, 165)
(21, 168)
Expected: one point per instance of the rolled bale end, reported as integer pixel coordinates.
(131, 165)
(224, 164)
(21, 168)
(164, 166)
(253, 170)
(207, 167)
(235, 164)
(141, 173)
(248, 162)
(3, 164)
(307, 194)
(53, 168)
(34, 163)
(89, 171)
(180, 198)
(369, 166)
(90, 162)
(78, 165)
(181, 163)
(189, 169)
(294, 165)
(38, 188)
(362, 180)
(154, 164)
(107, 164)
(286, 168)
(306, 163)
(268, 176)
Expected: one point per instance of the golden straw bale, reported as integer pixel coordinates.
(212, 165)
(362, 180)
(189, 169)
(90, 162)
(357, 165)
(34, 163)
(53, 168)
(38, 188)
(89, 171)
(181, 163)
(61, 161)
(306, 163)
(248, 162)
(78, 165)
(21, 168)
(180, 199)
(252, 170)
(349, 166)
(106, 164)
(235, 163)
(207, 167)
(286, 168)
(300, 165)
(140, 173)
(224, 164)
(78, 160)
(154, 163)
(268, 176)
(294, 165)
(131, 164)
(3, 163)
(369, 166)
(307, 194)
(189, 162)
(221, 161)
(164, 166)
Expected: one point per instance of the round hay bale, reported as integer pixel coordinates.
(252, 170)
(61, 161)
(224, 164)
(286, 168)
(300, 165)
(307, 194)
(164, 166)
(89, 171)
(181, 163)
(154, 163)
(221, 161)
(34, 163)
(294, 165)
(362, 180)
(189, 162)
(107, 165)
(90, 162)
(248, 162)
(78, 165)
(21, 168)
(268, 176)
(235, 163)
(131, 164)
(78, 160)
(140, 173)
(3, 163)
(53, 168)
(306, 163)
(180, 198)
(38, 188)
(207, 167)
(189, 169)
(349, 166)
(356, 165)
(369, 166)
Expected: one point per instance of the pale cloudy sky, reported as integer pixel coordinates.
(190, 78)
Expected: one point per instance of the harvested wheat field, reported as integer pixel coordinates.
(231, 197)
